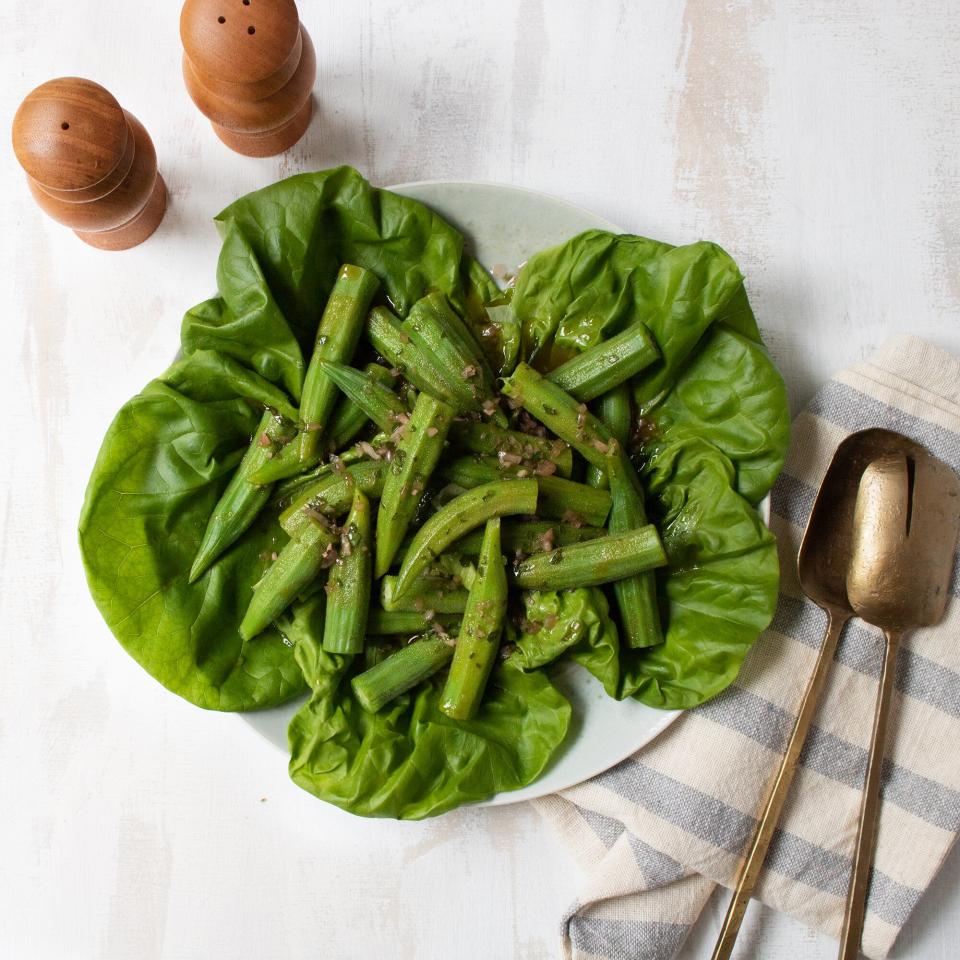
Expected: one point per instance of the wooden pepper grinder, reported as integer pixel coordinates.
(89, 163)
(249, 66)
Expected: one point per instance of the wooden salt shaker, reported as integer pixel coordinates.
(249, 66)
(89, 163)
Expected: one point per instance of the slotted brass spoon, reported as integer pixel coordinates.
(905, 529)
(822, 566)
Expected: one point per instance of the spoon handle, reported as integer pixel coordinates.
(753, 864)
(869, 808)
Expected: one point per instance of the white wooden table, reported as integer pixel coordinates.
(816, 140)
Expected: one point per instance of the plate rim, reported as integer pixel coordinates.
(499, 185)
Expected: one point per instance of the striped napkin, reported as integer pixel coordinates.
(657, 832)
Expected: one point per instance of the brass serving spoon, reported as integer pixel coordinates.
(822, 568)
(905, 530)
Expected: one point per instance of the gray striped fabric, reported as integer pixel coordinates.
(657, 832)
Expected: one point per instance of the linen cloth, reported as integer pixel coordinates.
(657, 832)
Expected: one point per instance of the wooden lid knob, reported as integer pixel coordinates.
(70, 134)
(241, 41)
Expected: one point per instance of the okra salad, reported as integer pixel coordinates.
(375, 477)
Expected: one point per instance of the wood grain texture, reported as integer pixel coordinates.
(817, 141)
(250, 69)
(71, 135)
(89, 163)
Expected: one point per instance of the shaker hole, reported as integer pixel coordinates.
(64, 125)
(251, 30)
(221, 19)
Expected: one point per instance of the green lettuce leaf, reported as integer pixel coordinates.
(246, 382)
(169, 453)
(737, 314)
(720, 589)
(716, 596)
(715, 410)
(586, 290)
(716, 420)
(300, 230)
(410, 761)
(570, 620)
(714, 378)
(244, 322)
(731, 394)
(167, 458)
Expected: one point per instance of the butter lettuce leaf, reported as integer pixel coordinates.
(166, 460)
(300, 230)
(586, 290)
(716, 596)
(169, 453)
(410, 760)
(578, 621)
(719, 591)
(714, 422)
(715, 429)
(732, 395)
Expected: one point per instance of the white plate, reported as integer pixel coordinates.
(504, 225)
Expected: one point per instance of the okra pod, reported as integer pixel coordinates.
(332, 494)
(636, 596)
(438, 594)
(513, 447)
(349, 583)
(479, 638)
(608, 364)
(438, 331)
(403, 670)
(597, 561)
(463, 334)
(369, 392)
(529, 536)
(408, 622)
(375, 651)
(561, 413)
(241, 501)
(615, 413)
(559, 498)
(459, 517)
(287, 491)
(421, 368)
(286, 463)
(350, 418)
(572, 501)
(337, 337)
(408, 474)
(299, 562)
